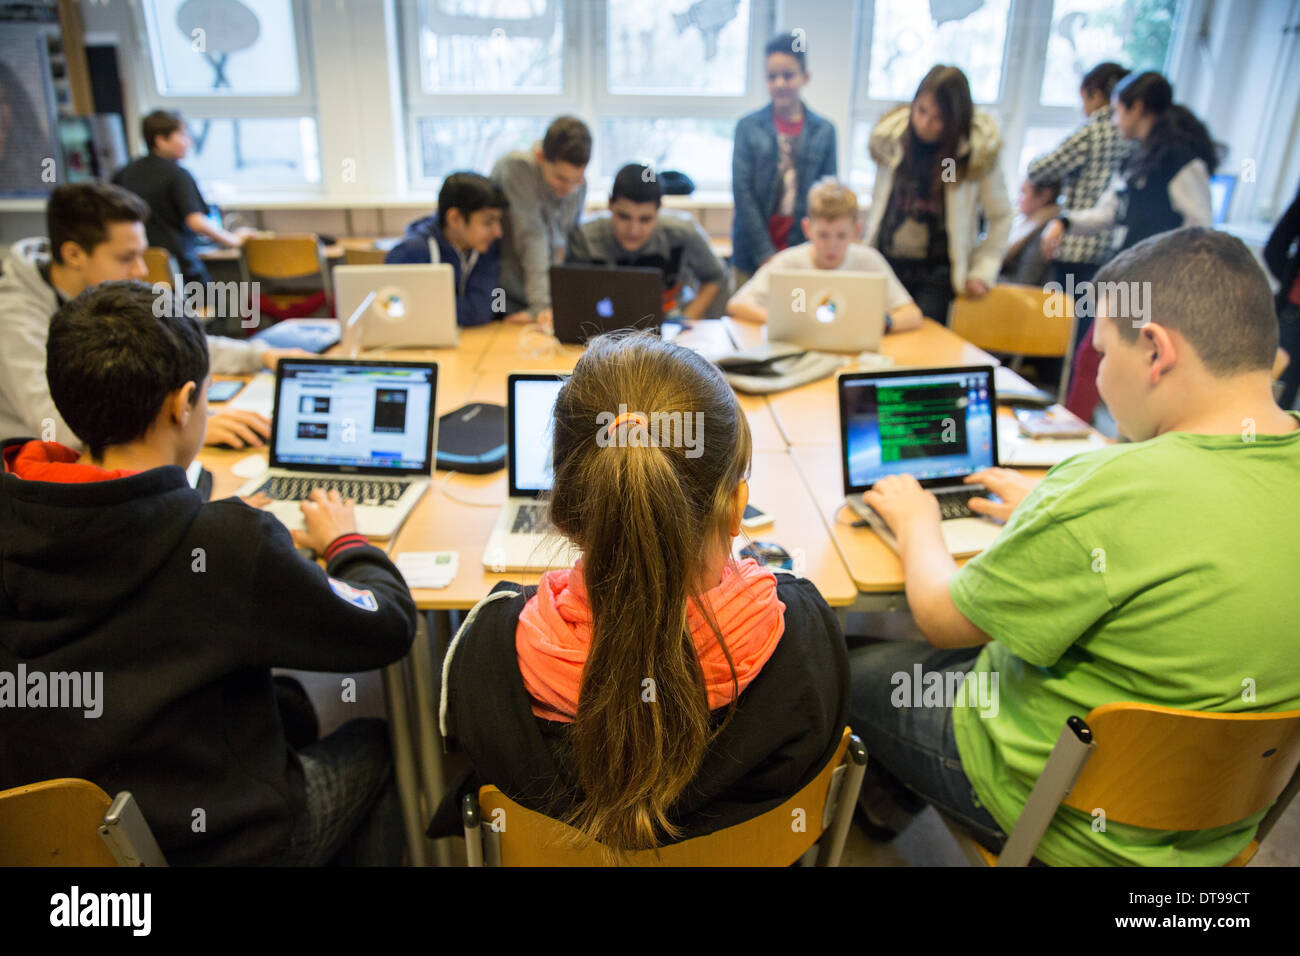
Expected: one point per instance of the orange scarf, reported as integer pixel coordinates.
(554, 634)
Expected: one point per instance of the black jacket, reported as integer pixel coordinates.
(786, 725)
(1283, 260)
(184, 607)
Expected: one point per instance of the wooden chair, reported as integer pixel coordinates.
(1020, 320)
(70, 822)
(500, 832)
(1159, 768)
(363, 257)
(161, 265)
(288, 264)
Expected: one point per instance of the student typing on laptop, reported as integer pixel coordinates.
(832, 228)
(112, 563)
(1157, 571)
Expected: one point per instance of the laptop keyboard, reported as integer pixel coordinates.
(530, 519)
(362, 491)
(953, 504)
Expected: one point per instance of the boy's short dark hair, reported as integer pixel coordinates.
(111, 361)
(159, 123)
(1207, 286)
(467, 193)
(82, 212)
(637, 183)
(567, 140)
(790, 45)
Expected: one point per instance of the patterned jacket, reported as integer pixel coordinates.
(1085, 162)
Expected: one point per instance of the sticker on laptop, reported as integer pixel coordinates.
(357, 597)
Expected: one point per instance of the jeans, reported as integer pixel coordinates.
(914, 745)
(928, 283)
(353, 815)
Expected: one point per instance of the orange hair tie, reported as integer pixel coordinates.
(627, 417)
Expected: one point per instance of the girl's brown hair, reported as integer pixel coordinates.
(649, 521)
(951, 92)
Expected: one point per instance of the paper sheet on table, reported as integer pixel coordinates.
(428, 569)
(1017, 451)
(257, 396)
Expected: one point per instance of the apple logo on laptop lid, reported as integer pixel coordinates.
(605, 308)
(827, 307)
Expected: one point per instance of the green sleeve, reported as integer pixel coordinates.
(1038, 589)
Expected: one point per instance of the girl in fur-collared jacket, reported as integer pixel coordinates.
(938, 168)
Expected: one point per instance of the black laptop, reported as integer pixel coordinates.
(587, 300)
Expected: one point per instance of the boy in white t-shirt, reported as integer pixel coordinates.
(832, 228)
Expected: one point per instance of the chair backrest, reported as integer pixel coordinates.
(776, 838)
(1168, 769)
(1017, 319)
(283, 257)
(363, 257)
(53, 823)
(161, 265)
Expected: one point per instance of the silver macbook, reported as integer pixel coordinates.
(937, 425)
(827, 310)
(414, 305)
(364, 429)
(523, 539)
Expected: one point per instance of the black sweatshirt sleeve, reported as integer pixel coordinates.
(358, 616)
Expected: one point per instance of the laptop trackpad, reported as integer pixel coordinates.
(966, 536)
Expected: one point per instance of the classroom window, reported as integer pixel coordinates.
(449, 143)
(657, 82)
(1135, 33)
(491, 46)
(240, 75)
(1024, 61)
(235, 154)
(677, 47)
(907, 38)
(700, 148)
(223, 49)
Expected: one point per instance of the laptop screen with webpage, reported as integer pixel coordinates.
(937, 425)
(355, 416)
(531, 422)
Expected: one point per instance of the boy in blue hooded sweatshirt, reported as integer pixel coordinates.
(465, 232)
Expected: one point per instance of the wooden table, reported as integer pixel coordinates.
(809, 415)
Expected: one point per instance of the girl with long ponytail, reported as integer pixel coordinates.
(660, 689)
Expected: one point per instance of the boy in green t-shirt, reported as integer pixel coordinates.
(1158, 571)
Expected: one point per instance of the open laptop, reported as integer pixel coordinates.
(587, 300)
(938, 425)
(523, 540)
(414, 305)
(827, 310)
(364, 429)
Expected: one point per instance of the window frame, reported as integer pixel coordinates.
(585, 91)
(1019, 107)
(195, 108)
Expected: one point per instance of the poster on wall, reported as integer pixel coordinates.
(28, 157)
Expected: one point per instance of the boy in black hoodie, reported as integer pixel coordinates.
(112, 568)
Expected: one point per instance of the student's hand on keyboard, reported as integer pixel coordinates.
(1011, 486)
(238, 428)
(903, 504)
(326, 516)
(257, 499)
